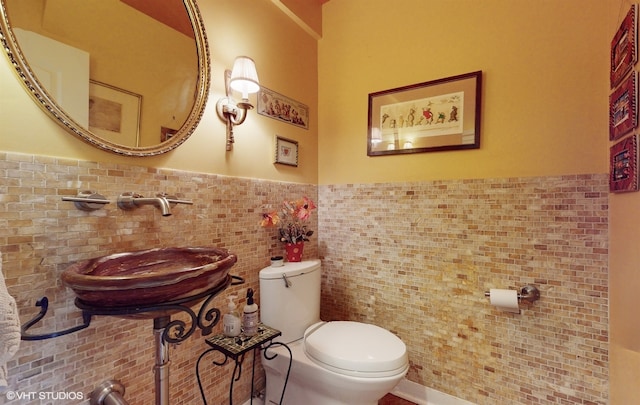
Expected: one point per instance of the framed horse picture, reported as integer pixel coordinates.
(438, 115)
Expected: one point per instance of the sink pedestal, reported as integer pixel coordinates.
(161, 368)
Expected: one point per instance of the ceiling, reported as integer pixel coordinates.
(169, 12)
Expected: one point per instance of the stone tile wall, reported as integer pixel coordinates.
(416, 258)
(40, 235)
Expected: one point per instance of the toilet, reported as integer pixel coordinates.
(333, 363)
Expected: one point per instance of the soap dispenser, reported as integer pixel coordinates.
(250, 315)
(231, 320)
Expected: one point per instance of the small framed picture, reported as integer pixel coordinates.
(282, 108)
(114, 113)
(624, 47)
(623, 171)
(167, 133)
(286, 151)
(623, 108)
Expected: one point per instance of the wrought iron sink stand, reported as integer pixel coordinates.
(165, 330)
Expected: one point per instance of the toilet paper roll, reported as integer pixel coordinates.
(506, 300)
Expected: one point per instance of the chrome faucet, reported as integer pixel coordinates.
(129, 201)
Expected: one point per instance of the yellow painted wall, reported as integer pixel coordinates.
(286, 57)
(545, 90)
(624, 275)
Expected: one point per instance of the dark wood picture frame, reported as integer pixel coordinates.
(438, 115)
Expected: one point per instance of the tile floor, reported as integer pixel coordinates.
(390, 399)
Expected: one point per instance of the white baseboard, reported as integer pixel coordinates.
(415, 393)
(422, 395)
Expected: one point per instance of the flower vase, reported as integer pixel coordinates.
(294, 251)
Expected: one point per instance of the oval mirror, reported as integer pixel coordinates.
(127, 76)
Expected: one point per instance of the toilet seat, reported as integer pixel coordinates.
(356, 349)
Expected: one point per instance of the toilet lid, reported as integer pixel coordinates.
(355, 348)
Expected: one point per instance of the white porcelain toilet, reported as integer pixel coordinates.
(334, 363)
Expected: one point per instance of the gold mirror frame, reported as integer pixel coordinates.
(53, 109)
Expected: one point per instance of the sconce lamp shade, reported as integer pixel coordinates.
(244, 77)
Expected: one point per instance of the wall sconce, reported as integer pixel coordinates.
(243, 78)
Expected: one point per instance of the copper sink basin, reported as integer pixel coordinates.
(148, 277)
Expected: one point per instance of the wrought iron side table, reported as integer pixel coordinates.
(236, 348)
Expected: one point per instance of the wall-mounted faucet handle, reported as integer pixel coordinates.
(88, 200)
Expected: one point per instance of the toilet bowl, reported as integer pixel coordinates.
(355, 349)
(332, 363)
(312, 384)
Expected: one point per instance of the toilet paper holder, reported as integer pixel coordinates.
(527, 293)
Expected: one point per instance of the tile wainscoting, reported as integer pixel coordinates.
(40, 235)
(416, 258)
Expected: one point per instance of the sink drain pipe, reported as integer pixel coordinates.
(109, 392)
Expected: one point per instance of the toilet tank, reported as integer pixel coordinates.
(290, 297)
